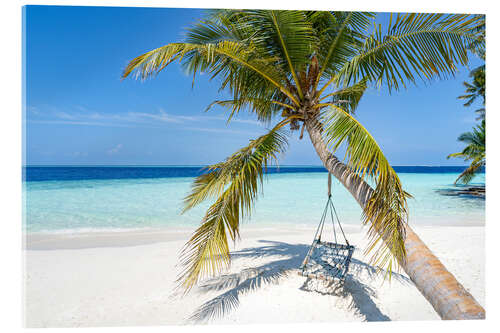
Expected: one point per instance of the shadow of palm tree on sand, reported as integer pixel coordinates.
(289, 258)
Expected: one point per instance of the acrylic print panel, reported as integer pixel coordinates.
(142, 209)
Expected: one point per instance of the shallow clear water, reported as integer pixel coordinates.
(298, 199)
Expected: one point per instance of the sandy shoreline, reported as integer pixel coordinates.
(123, 279)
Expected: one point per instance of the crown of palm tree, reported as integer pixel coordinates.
(295, 66)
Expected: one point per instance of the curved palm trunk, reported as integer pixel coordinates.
(448, 297)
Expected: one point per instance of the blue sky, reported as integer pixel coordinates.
(79, 112)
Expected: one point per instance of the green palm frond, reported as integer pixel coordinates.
(415, 45)
(288, 37)
(265, 109)
(475, 89)
(475, 151)
(386, 210)
(461, 154)
(234, 184)
(471, 97)
(341, 35)
(207, 251)
(476, 25)
(481, 113)
(245, 75)
(293, 34)
(468, 174)
(348, 97)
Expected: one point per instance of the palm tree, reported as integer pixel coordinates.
(308, 70)
(475, 151)
(478, 86)
(475, 89)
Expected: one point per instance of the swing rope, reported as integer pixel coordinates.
(329, 204)
(326, 260)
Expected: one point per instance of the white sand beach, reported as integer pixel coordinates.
(123, 279)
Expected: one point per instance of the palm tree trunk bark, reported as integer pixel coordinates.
(448, 297)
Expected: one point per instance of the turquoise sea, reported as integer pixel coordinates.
(87, 199)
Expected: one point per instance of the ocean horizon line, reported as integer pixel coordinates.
(87, 172)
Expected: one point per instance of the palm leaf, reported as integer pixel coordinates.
(244, 74)
(475, 151)
(468, 174)
(294, 35)
(348, 97)
(265, 109)
(475, 89)
(415, 45)
(235, 184)
(341, 36)
(386, 211)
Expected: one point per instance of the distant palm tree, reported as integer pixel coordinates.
(308, 70)
(478, 86)
(475, 151)
(475, 89)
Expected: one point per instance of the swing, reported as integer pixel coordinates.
(325, 260)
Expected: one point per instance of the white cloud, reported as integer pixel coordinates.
(82, 123)
(64, 115)
(219, 130)
(33, 109)
(128, 119)
(116, 149)
(81, 108)
(80, 154)
(160, 116)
